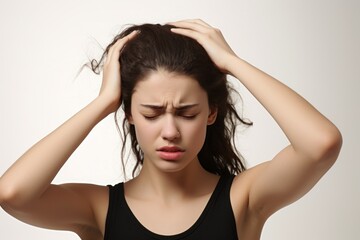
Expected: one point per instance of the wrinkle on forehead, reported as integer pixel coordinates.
(168, 89)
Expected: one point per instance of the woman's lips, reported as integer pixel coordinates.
(170, 152)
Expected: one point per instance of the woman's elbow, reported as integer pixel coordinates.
(329, 146)
(5, 194)
(8, 196)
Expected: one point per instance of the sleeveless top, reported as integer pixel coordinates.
(216, 222)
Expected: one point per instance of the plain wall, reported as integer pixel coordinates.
(312, 46)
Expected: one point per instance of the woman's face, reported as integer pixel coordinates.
(170, 113)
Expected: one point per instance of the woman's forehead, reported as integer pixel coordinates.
(163, 87)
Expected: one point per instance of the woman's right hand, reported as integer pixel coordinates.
(111, 83)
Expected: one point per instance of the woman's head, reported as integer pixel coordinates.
(156, 48)
(170, 114)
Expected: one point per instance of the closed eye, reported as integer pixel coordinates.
(189, 117)
(152, 117)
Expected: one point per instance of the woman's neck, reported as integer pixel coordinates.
(169, 187)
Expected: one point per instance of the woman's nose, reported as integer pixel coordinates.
(170, 131)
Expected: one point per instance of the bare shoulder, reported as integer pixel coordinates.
(242, 183)
(96, 194)
(98, 198)
(249, 223)
(240, 190)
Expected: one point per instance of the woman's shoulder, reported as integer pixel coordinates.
(97, 196)
(247, 221)
(242, 183)
(92, 192)
(247, 177)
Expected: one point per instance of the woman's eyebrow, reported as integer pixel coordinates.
(162, 107)
(156, 107)
(186, 106)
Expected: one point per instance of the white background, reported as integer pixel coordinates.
(312, 46)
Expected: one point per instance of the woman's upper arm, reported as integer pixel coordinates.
(283, 180)
(65, 207)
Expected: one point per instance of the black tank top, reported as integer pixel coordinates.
(216, 222)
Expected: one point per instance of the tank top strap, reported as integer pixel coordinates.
(116, 194)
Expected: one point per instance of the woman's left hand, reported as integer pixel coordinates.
(210, 38)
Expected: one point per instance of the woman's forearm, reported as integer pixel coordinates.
(308, 131)
(32, 173)
(29, 177)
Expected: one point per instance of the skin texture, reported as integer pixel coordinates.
(178, 187)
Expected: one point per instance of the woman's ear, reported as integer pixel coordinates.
(212, 116)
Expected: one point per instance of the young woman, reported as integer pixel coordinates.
(170, 82)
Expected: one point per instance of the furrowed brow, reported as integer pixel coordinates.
(155, 107)
(161, 107)
(185, 107)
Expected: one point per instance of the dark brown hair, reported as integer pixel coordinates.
(156, 47)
